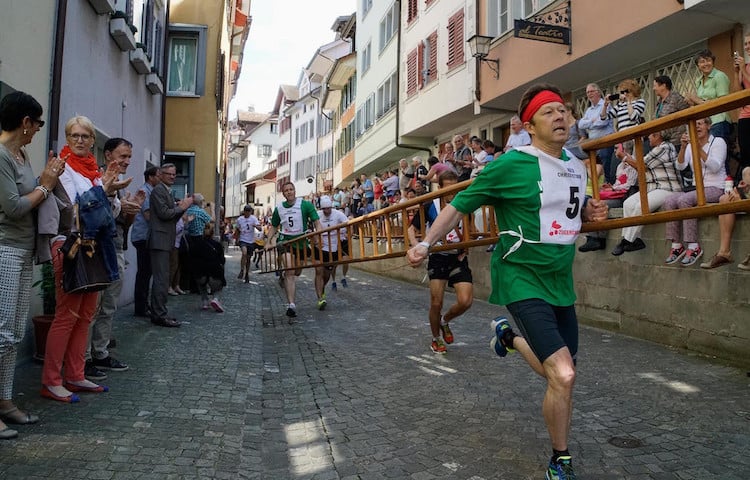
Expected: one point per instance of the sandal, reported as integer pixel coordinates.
(17, 417)
(8, 434)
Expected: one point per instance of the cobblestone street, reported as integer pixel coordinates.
(354, 392)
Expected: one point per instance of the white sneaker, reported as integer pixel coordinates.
(172, 292)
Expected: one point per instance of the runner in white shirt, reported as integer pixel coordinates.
(328, 250)
(247, 224)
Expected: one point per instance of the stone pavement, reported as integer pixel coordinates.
(353, 392)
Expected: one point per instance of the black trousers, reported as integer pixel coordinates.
(142, 277)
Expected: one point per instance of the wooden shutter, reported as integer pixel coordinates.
(411, 13)
(432, 41)
(411, 73)
(456, 39)
(420, 65)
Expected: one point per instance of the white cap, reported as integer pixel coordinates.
(325, 202)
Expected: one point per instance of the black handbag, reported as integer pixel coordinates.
(84, 269)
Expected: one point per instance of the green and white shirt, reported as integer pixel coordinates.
(538, 201)
(293, 219)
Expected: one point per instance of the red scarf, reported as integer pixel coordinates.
(85, 166)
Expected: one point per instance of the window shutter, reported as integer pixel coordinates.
(432, 40)
(456, 39)
(420, 65)
(412, 11)
(411, 73)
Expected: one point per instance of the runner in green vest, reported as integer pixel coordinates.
(538, 193)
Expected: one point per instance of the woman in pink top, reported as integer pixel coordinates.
(742, 70)
(436, 168)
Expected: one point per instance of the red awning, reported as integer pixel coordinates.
(240, 19)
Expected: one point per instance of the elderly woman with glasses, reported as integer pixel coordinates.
(68, 335)
(20, 193)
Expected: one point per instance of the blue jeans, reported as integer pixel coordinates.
(97, 223)
(605, 155)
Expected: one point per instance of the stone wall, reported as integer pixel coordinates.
(704, 311)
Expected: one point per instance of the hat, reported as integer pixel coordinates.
(248, 208)
(325, 202)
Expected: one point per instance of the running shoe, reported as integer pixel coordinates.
(343, 283)
(562, 469)
(447, 334)
(322, 303)
(438, 346)
(675, 255)
(691, 256)
(247, 278)
(216, 305)
(499, 326)
(291, 311)
(242, 274)
(333, 286)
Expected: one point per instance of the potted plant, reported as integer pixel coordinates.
(41, 323)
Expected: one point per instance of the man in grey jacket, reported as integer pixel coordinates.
(162, 230)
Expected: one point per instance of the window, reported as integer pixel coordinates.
(366, 58)
(411, 12)
(388, 26)
(264, 150)
(274, 127)
(349, 92)
(501, 13)
(187, 60)
(185, 165)
(456, 40)
(498, 17)
(429, 59)
(296, 136)
(387, 93)
(366, 6)
(411, 73)
(365, 116)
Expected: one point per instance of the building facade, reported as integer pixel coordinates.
(204, 47)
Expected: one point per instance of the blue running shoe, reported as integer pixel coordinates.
(333, 286)
(499, 326)
(562, 469)
(343, 283)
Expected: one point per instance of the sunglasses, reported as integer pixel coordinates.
(624, 92)
(38, 122)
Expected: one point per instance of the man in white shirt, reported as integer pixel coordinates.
(327, 250)
(247, 224)
(518, 136)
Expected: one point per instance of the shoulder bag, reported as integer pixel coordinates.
(84, 269)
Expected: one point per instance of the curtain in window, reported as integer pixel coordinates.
(182, 64)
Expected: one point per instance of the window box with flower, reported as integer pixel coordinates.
(121, 31)
(139, 59)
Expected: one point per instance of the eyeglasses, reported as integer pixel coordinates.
(80, 136)
(38, 122)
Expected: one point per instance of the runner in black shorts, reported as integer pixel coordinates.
(445, 268)
(329, 248)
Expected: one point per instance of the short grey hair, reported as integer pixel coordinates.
(198, 199)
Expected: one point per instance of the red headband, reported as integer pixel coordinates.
(542, 98)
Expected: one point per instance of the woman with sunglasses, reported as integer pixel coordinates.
(625, 107)
(20, 193)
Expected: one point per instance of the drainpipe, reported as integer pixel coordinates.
(57, 61)
(162, 68)
(398, 87)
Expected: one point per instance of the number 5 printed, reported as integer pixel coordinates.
(575, 203)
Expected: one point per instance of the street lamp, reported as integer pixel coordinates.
(479, 46)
